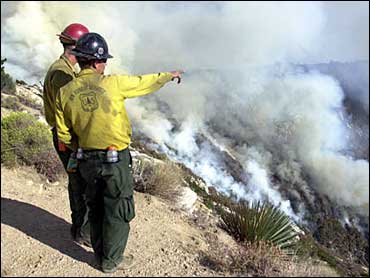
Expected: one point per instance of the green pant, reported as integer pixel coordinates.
(76, 194)
(111, 205)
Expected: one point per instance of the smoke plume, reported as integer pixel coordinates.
(240, 88)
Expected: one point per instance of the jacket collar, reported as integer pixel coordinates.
(65, 59)
(86, 72)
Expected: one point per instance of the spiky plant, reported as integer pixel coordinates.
(258, 222)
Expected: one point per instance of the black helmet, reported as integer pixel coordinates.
(91, 46)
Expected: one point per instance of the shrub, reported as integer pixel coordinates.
(48, 164)
(29, 102)
(248, 259)
(259, 259)
(258, 222)
(161, 179)
(25, 141)
(7, 83)
(11, 102)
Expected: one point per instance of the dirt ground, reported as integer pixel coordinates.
(164, 240)
(35, 221)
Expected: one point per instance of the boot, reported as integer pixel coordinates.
(126, 263)
(78, 238)
(83, 240)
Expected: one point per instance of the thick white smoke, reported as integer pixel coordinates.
(30, 44)
(238, 80)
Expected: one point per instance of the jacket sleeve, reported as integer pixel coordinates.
(53, 82)
(62, 124)
(59, 79)
(133, 86)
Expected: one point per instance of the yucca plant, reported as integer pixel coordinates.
(258, 222)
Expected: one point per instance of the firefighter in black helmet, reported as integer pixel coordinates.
(92, 108)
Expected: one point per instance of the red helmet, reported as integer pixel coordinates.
(72, 32)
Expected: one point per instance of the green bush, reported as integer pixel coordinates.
(25, 141)
(260, 222)
(7, 83)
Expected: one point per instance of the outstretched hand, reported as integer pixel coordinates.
(177, 74)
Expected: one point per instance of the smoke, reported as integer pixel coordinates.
(29, 29)
(23, 35)
(240, 87)
(346, 32)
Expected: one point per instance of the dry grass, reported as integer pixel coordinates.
(250, 259)
(260, 259)
(309, 268)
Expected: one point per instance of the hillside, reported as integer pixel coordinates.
(35, 239)
(169, 236)
(164, 240)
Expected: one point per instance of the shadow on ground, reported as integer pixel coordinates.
(44, 227)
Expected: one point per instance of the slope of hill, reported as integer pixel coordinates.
(167, 238)
(164, 240)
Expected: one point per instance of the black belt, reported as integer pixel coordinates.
(100, 151)
(102, 154)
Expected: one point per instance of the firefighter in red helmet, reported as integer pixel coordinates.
(59, 74)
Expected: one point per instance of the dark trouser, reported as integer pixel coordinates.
(76, 193)
(111, 205)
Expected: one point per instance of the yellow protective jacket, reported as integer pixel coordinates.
(92, 107)
(59, 74)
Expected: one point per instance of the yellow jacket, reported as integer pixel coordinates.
(59, 74)
(92, 107)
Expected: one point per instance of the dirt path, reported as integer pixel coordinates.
(35, 221)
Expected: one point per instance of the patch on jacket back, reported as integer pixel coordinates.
(89, 101)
